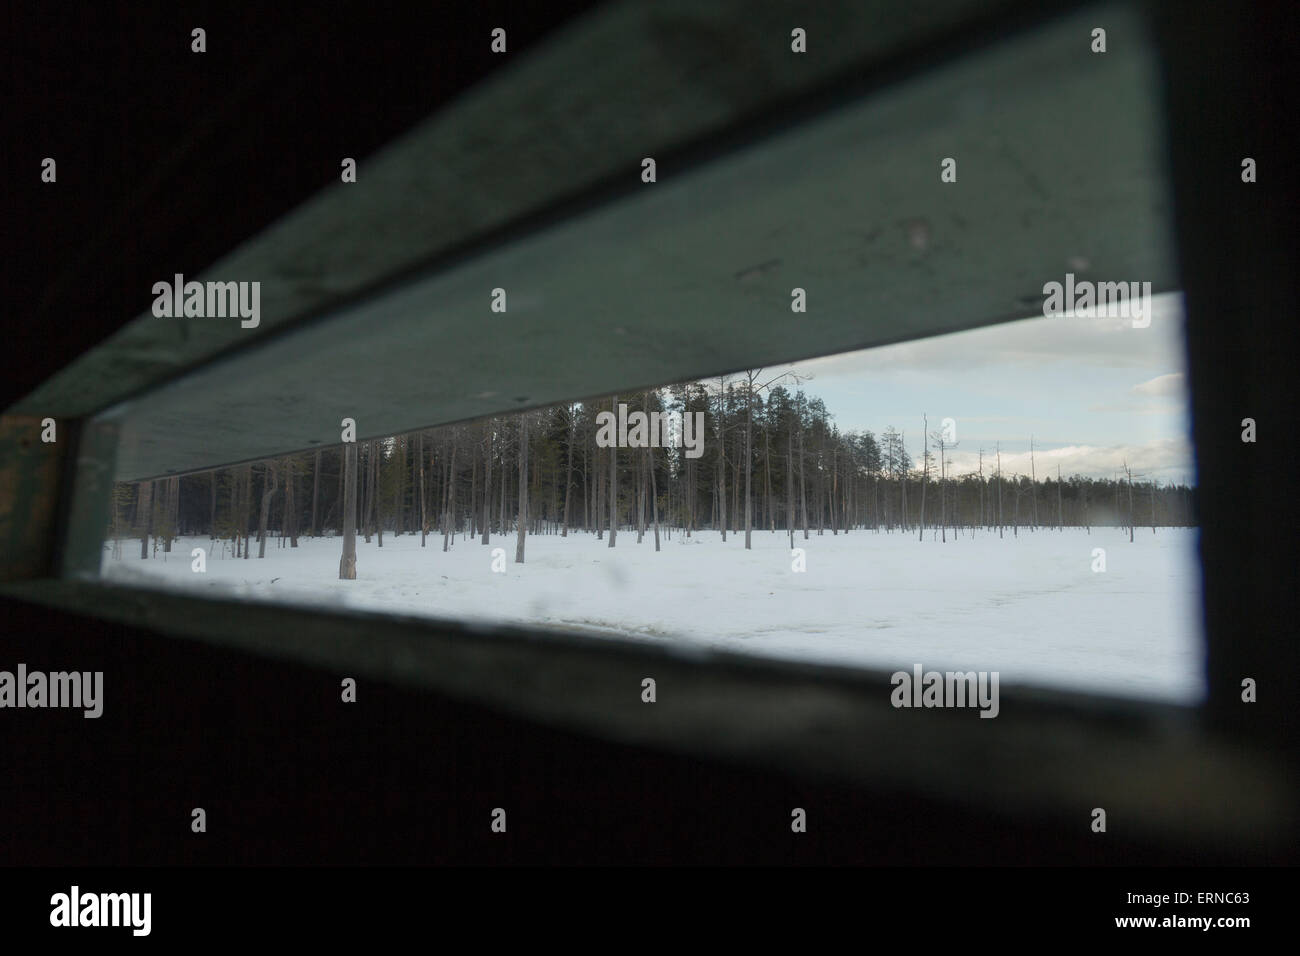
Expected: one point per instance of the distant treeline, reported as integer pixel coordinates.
(772, 460)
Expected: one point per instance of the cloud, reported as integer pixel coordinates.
(1030, 342)
(1174, 384)
(1167, 459)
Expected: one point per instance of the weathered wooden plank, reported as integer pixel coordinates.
(1051, 754)
(1058, 165)
(634, 78)
(30, 471)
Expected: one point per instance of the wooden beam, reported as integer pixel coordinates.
(30, 471)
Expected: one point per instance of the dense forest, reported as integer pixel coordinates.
(773, 460)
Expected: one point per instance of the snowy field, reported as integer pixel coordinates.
(1030, 607)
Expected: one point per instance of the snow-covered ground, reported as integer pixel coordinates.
(1030, 607)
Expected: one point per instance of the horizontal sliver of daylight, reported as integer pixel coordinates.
(1015, 499)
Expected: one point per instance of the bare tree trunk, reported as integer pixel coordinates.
(943, 498)
(639, 496)
(368, 490)
(246, 506)
(767, 479)
(836, 515)
(415, 454)
(501, 514)
(722, 458)
(348, 477)
(999, 491)
(290, 504)
(473, 486)
(424, 511)
(1130, 502)
(789, 482)
(925, 471)
(690, 495)
(376, 506)
(803, 488)
(735, 495)
(248, 509)
(144, 515)
(749, 457)
(338, 502)
(654, 495)
(269, 477)
(568, 474)
(598, 512)
(523, 489)
(1060, 510)
(167, 529)
(234, 509)
(586, 490)
(212, 478)
(487, 484)
(1033, 485)
(449, 500)
(399, 492)
(722, 491)
(315, 495)
(613, 482)
(902, 478)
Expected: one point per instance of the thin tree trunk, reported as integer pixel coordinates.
(487, 485)
(348, 478)
(338, 502)
(598, 513)
(925, 471)
(248, 509)
(1060, 510)
(144, 515)
(1033, 485)
(613, 481)
(999, 492)
(234, 509)
(789, 482)
(473, 488)
(568, 474)
(522, 530)
(376, 506)
(902, 469)
(315, 495)
(749, 459)
(168, 529)
(449, 502)
(722, 459)
(1130, 502)
(501, 514)
(654, 496)
(268, 490)
(424, 511)
(803, 488)
(291, 503)
(368, 490)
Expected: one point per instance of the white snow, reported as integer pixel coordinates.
(1029, 607)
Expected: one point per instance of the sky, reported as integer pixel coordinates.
(1093, 392)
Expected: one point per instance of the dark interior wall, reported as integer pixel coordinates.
(289, 774)
(1229, 94)
(200, 153)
